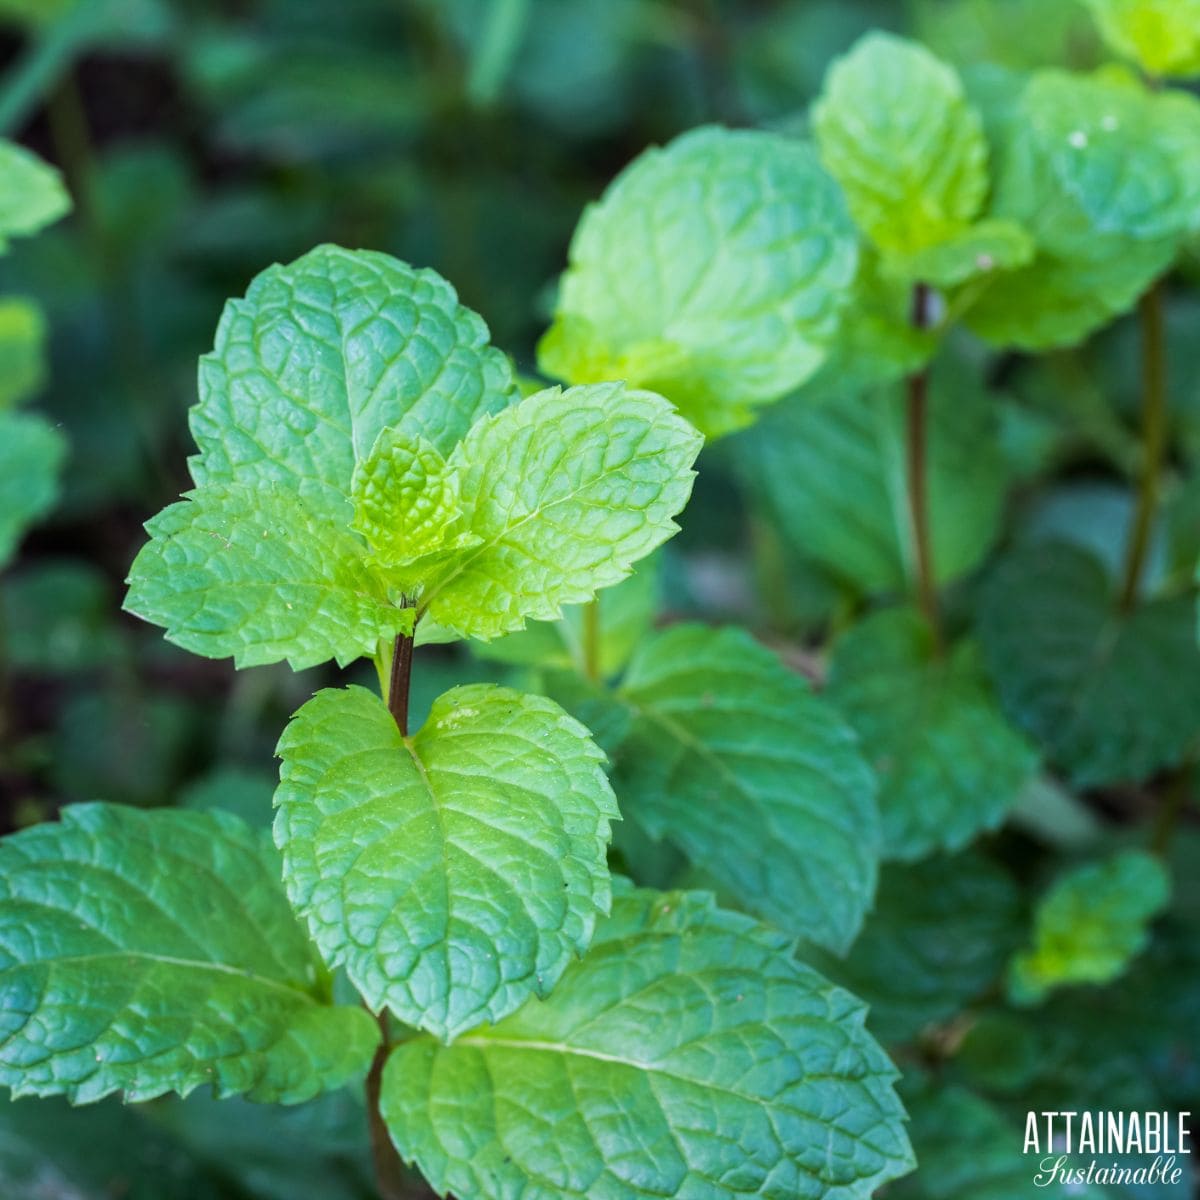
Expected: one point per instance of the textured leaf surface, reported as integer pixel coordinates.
(31, 454)
(1090, 924)
(1106, 178)
(686, 1055)
(567, 490)
(986, 247)
(324, 353)
(831, 475)
(258, 574)
(22, 350)
(940, 935)
(146, 952)
(407, 504)
(32, 194)
(759, 782)
(896, 130)
(949, 764)
(1161, 36)
(712, 271)
(1110, 697)
(454, 873)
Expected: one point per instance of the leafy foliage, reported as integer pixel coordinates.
(680, 1009)
(949, 764)
(453, 874)
(1162, 36)
(31, 453)
(712, 270)
(1090, 924)
(31, 193)
(120, 975)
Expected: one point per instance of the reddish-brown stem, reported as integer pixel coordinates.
(398, 683)
(389, 1171)
(916, 444)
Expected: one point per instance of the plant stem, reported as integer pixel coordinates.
(1154, 439)
(1171, 803)
(399, 681)
(916, 442)
(389, 1171)
(591, 640)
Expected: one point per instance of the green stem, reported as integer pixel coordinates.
(1154, 439)
(591, 640)
(44, 61)
(389, 1171)
(917, 482)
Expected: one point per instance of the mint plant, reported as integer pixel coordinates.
(369, 478)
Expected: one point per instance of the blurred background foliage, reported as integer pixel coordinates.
(202, 140)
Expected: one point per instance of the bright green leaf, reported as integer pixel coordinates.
(896, 130)
(949, 764)
(31, 455)
(325, 353)
(1111, 696)
(759, 782)
(1105, 176)
(146, 952)
(408, 507)
(712, 271)
(22, 350)
(565, 492)
(831, 475)
(1161, 36)
(259, 574)
(31, 193)
(1090, 924)
(939, 937)
(454, 873)
(990, 246)
(686, 1055)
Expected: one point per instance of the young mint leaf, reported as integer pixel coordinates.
(939, 936)
(949, 764)
(31, 455)
(1161, 36)
(896, 130)
(712, 271)
(259, 574)
(1090, 924)
(146, 952)
(1110, 696)
(454, 873)
(325, 353)
(991, 245)
(687, 1055)
(565, 492)
(22, 350)
(831, 476)
(1105, 176)
(32, 194)
(759, 782)
(408, 507)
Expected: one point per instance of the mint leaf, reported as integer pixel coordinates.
(712, 271)
(22, 350)
(1105, 176)
(259, 574)
(325, 353)
(31, 455)
(1161, 36)
(454, 873)
(759, 782)
(1110, 696)
(896, 130)
(686, 1055)
(31, 193)
(146, 952)
(1090, 924)
(949, 764)
(566, 491)
(989, 246)
(408, 508)
(939, 936)
(831, 476)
